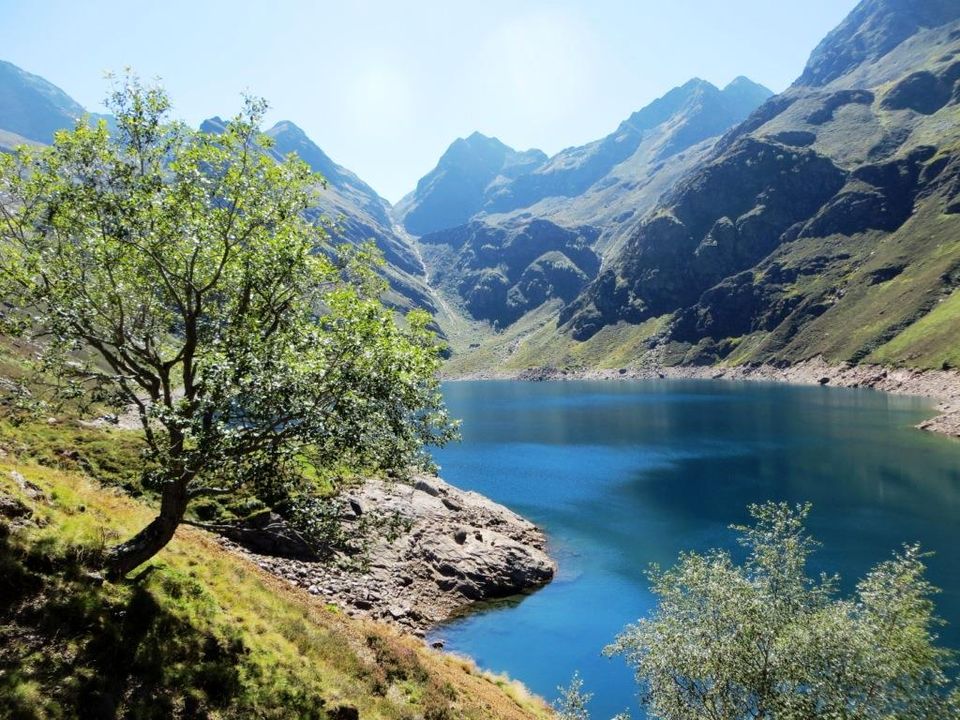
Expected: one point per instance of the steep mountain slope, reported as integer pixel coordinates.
(828, 222)
(355, 213)
(539, 232)
(611, 189)
(682, 118)
(32, 108)
(358, 214)
(869, 32)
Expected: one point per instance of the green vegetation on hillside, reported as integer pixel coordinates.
(200, 632)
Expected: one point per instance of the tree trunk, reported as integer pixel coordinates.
(154, 537)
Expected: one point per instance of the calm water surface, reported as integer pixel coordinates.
(622, 474)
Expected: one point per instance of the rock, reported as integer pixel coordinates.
(451, 505)
(796, 138)
(12, 509)
(486, 569)
(423, 484)
(33, 491)
(444, 560)
(837, 100)
(267, 533)
(824, 381)
(343, 712)
(922, 92)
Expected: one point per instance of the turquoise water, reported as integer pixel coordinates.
(622, 474)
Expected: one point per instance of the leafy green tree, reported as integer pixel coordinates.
(173, 271)
(765, 640)
(573, 701)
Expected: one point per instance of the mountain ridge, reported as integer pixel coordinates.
(756, 269)
(32, 107)
(499, 186)
(543, 234)
(870, 31)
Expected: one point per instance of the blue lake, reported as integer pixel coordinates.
(623, 474)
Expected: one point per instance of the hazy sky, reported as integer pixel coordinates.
(384, 87)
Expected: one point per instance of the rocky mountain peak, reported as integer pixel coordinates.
(452, 192)
(288, 138)
(870, 31)
(663, 108)
(482, 153)
(289, 129)
(744, 90)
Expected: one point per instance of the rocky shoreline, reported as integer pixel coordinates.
(455, 548)
(943, 386)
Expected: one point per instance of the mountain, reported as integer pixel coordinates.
(32, 109)
(826, 223)
(482, 175)
(682, 118)
(872, 30)
(354, 213)
(359, 214)
(451, 193)
(511, 231)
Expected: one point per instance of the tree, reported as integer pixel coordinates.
(765, 640)
(573, 701)
(173, 271)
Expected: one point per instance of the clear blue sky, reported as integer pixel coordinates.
(385, 86)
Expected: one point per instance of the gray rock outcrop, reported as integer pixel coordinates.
(455, 548)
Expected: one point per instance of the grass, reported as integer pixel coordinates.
(111, 457)
(930, 342)
(204, 633)
(868, 315)
(536, 341)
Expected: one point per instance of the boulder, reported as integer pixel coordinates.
(452, 548)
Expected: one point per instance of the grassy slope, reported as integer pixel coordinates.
(929, 342)
(204, 634)
(535, 341)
